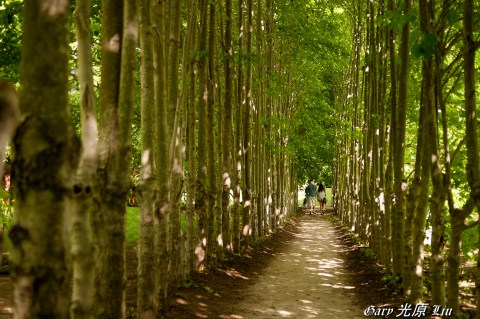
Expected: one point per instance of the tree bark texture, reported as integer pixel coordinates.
(45, 154)
(473, 161)
(83, 252)
(227, 175)
(147, 185)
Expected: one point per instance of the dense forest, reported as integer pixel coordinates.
(210, 116)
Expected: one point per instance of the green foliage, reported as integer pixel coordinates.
(11, 19)
(211, 291)
(6, 212)
(470, 241)
(319, 31)
(392, 281)
(425, 47)
(397, 19)
(6, 209)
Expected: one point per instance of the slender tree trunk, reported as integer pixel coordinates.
(401, 260)
(212, 156)
(110, 211)
(439, 193)
(162, 162)
(473, 161)
(238, 136)
(191, 131)
(247, 192)
(176, 148)
(227, 129)
(118, 178)
(201, 200)
(258, 125)
(147, 186)
(45, 154)
(82, 246)
(427, 97)
(269, 134)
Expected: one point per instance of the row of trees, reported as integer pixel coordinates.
(230, 95)
(407, 161)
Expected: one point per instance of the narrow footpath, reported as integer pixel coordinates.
(307, 280)
(311, 269)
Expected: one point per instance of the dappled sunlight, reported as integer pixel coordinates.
(233, 273)
(181, 301)
(54, 7)
(113, 45)
(6, 308)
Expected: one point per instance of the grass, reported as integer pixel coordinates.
(132, 224)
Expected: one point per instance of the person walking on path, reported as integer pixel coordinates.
(322, 197)
(311, 192)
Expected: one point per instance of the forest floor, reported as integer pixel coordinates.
(309, 268)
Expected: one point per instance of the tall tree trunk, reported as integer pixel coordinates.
(212, 156)
(473, 161)
(162, 162)
(176, 148)
(238, 136)
(439, 193)
(82, 246)
(110, 242)
(116, 141)
(247, 192)
(401, 260)
(201, 199)
(269, 134)
(427, 104)
(227, 129)
(391, 48)
(162, 156)
(45, 154)
(258, 123)
(191, 130)
(147, 185)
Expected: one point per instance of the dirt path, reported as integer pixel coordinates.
(307, 280)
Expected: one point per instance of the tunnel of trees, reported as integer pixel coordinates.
(210, 115)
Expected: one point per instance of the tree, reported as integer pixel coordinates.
(116, 108)
(227, 128)
(82, 237)
(201, 199)
(247, 191)
(45, 153)
(147, 188)
(473, 162)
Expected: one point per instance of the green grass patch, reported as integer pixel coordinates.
(132, 224)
